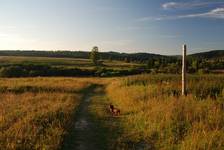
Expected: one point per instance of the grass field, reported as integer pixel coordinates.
(64, 62)
(155, 116)
(36, 112)
(69, 113)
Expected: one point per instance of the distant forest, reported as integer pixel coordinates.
(207, 62)
(138, 57)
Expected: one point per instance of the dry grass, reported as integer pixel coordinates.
(155, 115)
(36, 112)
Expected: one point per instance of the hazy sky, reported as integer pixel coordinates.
(154, 26)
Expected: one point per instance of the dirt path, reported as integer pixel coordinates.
(86, 132)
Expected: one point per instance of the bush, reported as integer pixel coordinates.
(14, 71)
(203, 71)
(43, 70)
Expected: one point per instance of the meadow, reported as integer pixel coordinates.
(41, 113)
(156, 116)
(18, 66)
(36, 112)
(64, 62)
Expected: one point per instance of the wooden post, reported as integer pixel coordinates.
(184, 70)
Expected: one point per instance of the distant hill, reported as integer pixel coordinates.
(215, 54)
(35, 53)
(142, 57)
(138, 57)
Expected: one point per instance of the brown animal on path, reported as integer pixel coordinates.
(114, 111)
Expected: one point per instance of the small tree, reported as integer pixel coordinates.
(127, 60)
(150, 63)
(195, 65)
(94, 55)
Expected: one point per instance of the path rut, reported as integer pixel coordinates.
(84, 134)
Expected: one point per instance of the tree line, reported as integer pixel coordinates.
(153, 63)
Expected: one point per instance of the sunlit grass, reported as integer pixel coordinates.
(154, 112)
(36, 112)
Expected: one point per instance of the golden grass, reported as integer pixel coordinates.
(36, 112)
(153, 113)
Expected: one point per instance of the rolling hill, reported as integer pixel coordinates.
(139, 57)
(209, 55)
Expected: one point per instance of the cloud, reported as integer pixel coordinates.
(170, 5)
(146, 19)
(189, 5)
(217, 13)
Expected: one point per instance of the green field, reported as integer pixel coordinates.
(72, 113)
(17, 66)
(64, 62)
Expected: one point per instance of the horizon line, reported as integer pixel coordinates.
(190, 52)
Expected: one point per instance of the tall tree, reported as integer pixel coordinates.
(94, 55)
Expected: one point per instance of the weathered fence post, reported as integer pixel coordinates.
(184, 70)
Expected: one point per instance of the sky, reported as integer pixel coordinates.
(131, 26)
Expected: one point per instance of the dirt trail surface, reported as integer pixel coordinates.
(86, 133)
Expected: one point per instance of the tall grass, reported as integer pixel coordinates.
(155, 116)
(36, 112)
